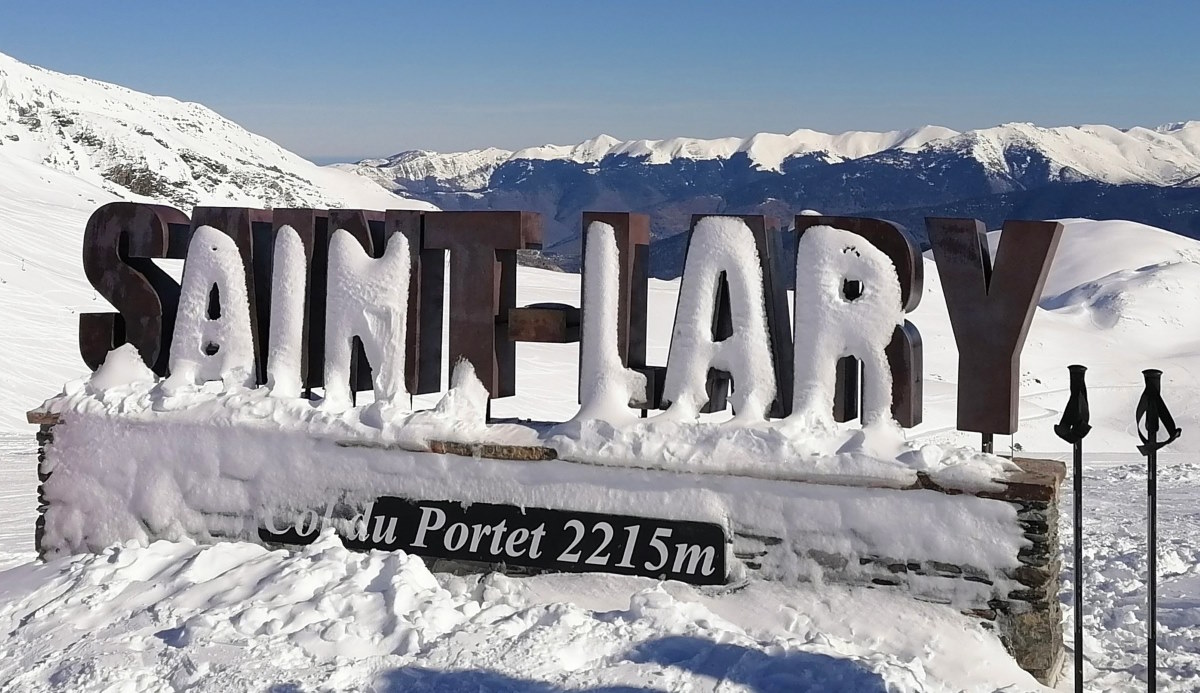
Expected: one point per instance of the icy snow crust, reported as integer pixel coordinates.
(842, 455)
(176, 616)
(721, 245)
(606, 387)
(829, 327)
(214, 265)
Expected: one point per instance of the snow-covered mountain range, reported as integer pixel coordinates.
(1167, 155)
(136, 146)
(1013, 170)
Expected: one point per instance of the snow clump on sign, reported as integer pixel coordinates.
(368, 299)
(460, 415)
(288, 286)
(830, 324)
(121, 368)
(720, 245)
(605, 386)
(204, 347)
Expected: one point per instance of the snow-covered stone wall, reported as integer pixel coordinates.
(987, 551)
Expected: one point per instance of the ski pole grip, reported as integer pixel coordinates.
(1077, 384)
(1074, 424)
(1152, 396)
(1154, 411)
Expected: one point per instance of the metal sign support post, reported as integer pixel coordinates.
(1072, 428)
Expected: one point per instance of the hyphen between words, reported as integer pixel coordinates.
(351, 300)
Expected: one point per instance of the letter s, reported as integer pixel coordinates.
(118, 244)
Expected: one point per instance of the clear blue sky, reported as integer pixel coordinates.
(349, 79)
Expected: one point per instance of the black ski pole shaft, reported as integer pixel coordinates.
(1072, 428)
(1152, 567)
(1155, 412)
(1078, 565)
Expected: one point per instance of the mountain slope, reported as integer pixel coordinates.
(139, 146)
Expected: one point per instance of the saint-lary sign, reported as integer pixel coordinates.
(322, 304)
(340, 301)
(311, 306)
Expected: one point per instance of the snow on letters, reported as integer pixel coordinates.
(848, 303)
(288, 288)
(367, 298)
(212, 339)
(831, 323)
(720, 245)
(605, 386)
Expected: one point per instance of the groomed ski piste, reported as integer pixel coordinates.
(178, 616)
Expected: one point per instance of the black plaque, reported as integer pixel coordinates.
(556, 540)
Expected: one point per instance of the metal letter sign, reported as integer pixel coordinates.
(991, 306)
(904, 353)
(119, 244)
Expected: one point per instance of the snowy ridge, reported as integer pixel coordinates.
(143, 147)
(766, 150)
(469, 170)
(1166, 155)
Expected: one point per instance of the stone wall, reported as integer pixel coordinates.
(990, 553)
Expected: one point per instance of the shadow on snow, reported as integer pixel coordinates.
(792, 672)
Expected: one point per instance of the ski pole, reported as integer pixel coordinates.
(1153, 410)
(1072, 428)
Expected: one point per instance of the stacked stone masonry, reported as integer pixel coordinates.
(1020, 604)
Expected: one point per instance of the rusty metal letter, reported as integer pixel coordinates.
(118, 243)
(991, 307)
(309, 225)
(247, 228)
(904, 352)
(367, 226)
(423, 351)
(483, 286)
(768, 241)
(633, 249)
